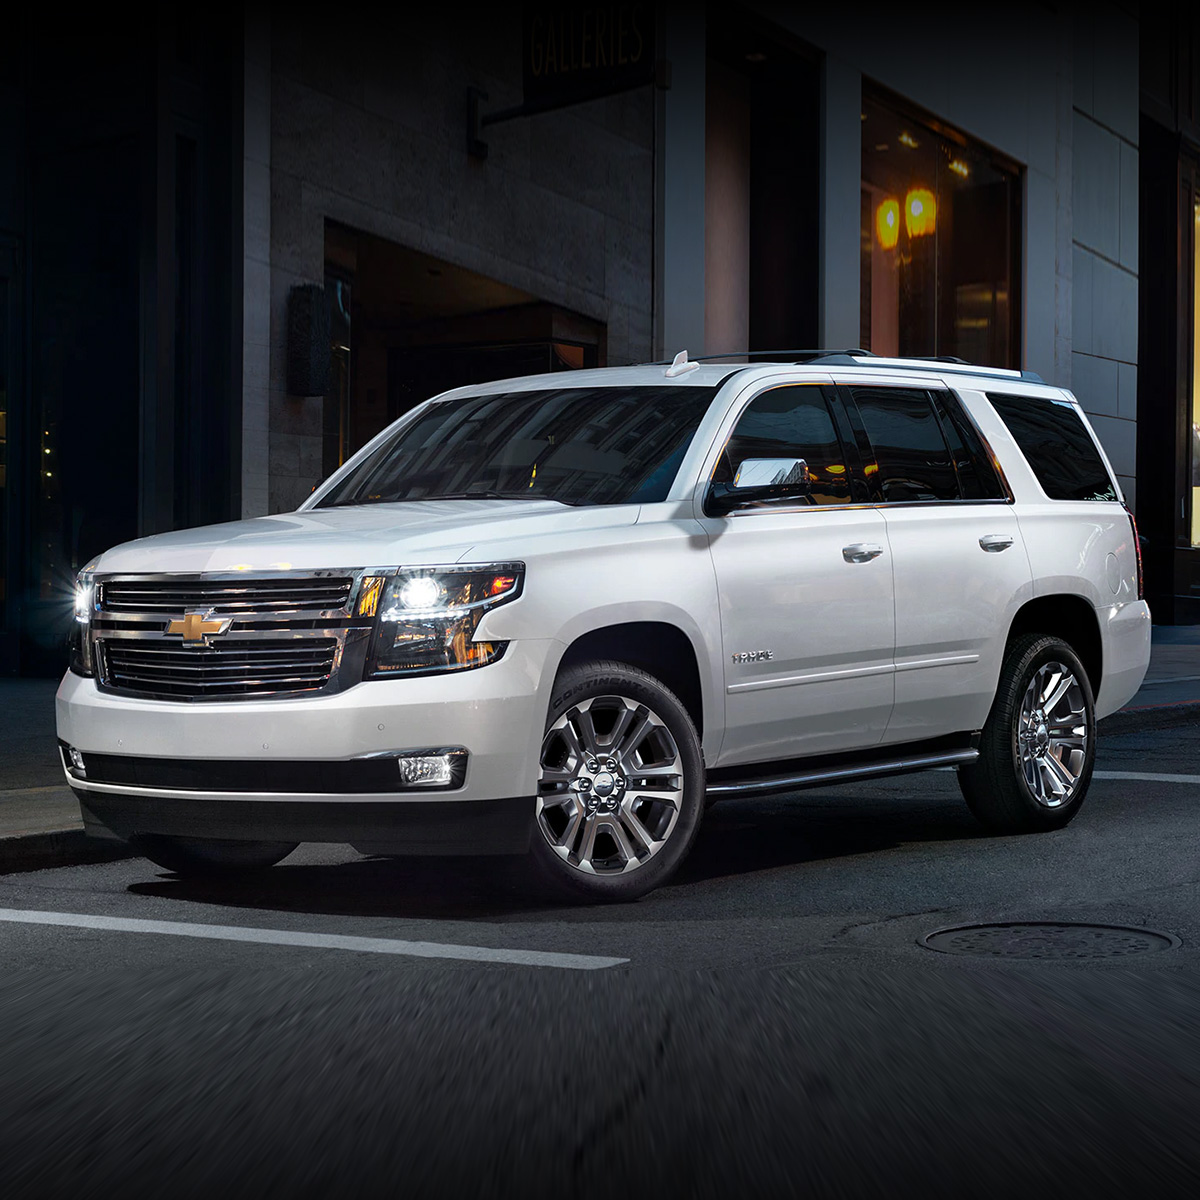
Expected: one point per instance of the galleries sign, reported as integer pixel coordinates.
(579, 52)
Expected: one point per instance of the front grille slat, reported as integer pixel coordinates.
(225, 596)
(233, 669)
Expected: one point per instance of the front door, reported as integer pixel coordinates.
(805, 591)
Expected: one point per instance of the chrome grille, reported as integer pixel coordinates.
(233, 669)
(222, 596)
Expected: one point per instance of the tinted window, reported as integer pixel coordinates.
(791, 422)
(605, 445)
(911, 459)
(977, 477)
(1058, 446)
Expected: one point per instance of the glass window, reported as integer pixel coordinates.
(911, 459)
(1058, 447)
(605, 445)
(791, 422)
(940, 238)
(977, 476)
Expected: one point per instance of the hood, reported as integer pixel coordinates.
(374, 535)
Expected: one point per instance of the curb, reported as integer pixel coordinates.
(57, 848)
(1151, 716)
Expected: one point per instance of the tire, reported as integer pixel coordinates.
(621, 786)
(1038, 746)
(209, 856)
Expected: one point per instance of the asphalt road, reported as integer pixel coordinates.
(771, 1027)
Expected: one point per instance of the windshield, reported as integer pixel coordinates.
(605, 445)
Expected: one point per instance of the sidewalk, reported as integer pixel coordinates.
(39, 817)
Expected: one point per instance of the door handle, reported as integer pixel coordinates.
(861, 552)
(993, 543)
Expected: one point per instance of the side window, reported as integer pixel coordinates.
(911, 460)
(1058, 446)
(794, 421)
(977, 475)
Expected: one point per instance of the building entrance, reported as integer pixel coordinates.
(406, 326)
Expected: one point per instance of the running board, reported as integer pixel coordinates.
(814, 778)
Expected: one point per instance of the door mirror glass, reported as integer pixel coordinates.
(772, 472)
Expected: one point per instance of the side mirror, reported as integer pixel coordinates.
(760, 481)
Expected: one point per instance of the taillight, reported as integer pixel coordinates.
(1137, 550)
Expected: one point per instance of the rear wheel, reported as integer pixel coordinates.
(209, 856)
(621, 785)
(1038, 747)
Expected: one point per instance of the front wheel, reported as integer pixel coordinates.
(1038, 747)
(620, 788)
(209, 856)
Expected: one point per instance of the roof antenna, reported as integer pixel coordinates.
(680, 365)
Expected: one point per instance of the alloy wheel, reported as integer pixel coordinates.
(1052, 734)
(611, 785)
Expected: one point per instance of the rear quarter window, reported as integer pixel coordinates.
(1057, 445)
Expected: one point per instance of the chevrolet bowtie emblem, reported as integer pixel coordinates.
(196, 626)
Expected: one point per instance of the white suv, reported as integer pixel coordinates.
(557, 615)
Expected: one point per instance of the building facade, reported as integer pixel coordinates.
(231, 252)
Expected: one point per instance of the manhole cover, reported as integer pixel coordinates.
(1047, 939)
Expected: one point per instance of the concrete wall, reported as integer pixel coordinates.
(1104, 236)
(368, 128)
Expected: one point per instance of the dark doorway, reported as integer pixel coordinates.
(1168, 447)
(406, 326)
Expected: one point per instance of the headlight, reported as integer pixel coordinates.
(85, 591)
(426, 618)
(80, 639)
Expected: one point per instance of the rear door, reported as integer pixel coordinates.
(959, 566)
(805, 589)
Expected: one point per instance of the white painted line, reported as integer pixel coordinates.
(1146, 777)
(314, 941)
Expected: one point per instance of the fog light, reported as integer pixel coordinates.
(433, 769)
(76, 758)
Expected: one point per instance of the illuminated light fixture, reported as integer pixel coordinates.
(368, 597)
(959, 167)
(421, 592)
(887, 224)
(920, 212)
(907, 139)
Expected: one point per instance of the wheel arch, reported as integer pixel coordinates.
(1071, 618)
(658, 647)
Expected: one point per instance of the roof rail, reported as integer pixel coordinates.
(858, 357)
(947, 363)
(767, 355)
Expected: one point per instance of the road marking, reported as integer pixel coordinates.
(1146, 777)
(315, 941)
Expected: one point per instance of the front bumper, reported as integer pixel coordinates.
(379, 827)
(496, 712)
